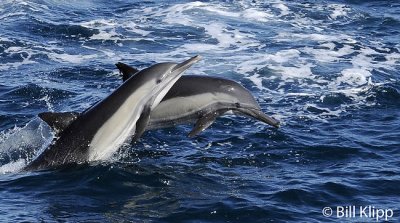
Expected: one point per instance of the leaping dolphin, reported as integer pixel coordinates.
(99, 131)
(201, 99)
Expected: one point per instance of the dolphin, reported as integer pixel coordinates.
(200, 100)
(100, 130)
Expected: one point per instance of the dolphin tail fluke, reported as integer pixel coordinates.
(126, 71)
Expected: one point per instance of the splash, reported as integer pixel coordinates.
(21, 144)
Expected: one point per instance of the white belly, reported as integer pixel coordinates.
(118, 128)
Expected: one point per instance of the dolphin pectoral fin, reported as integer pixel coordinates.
(126, 70)
(141, 123)
(58, 121)
(203, 123)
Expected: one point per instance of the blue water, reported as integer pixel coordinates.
(328, 70)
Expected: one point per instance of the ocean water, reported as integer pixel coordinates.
(328, 70)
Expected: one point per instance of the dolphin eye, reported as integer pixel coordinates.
(237, 104)
(158, 81)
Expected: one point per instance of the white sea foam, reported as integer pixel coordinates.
(179, 14)
(106, 52)
(257, 80)
(70, 58)
(284, 9)
(302, 94)
(354, 76)
(230, 43)
(339, 10)
(393, 59)
(25, 54)
(107, 29)
(257, 15)
(53, 52)
(327, 54)
(133, 27)
(288, 37)
(235, 44)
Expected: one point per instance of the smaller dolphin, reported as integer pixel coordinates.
(100, 130)
(201, 99)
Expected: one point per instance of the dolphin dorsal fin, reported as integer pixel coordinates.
(126, 71)
(58, 121)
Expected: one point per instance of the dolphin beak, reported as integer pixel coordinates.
(179, 68)
(258, 114)
(172, 75)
